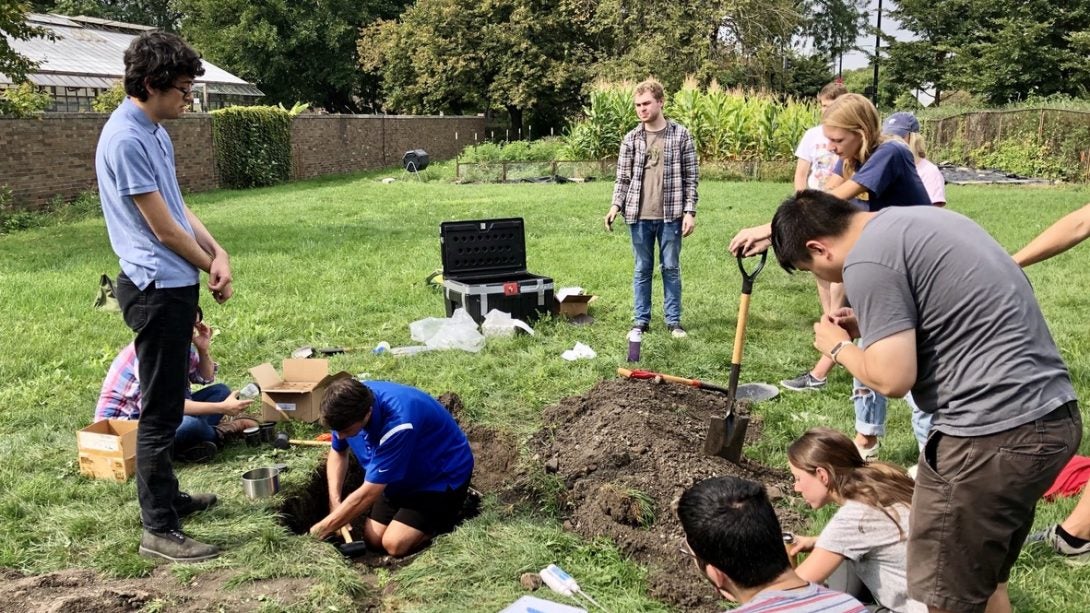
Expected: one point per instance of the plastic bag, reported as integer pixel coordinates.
(499, 323)
(458, 331)
(579, 352)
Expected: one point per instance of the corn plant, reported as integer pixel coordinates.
(726, 124)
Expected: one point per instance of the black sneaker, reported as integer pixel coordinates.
(175, 546)
(187, 504)
(199, 453)
(677, 331)
(642, 326)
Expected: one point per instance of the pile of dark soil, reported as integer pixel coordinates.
(626, 450)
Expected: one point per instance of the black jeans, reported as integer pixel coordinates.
(163, 322)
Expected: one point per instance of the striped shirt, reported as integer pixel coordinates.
(811, 599)
(679, 173)
(120, 395)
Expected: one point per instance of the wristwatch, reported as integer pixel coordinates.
(836, 350)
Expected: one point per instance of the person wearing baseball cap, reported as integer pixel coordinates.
(906, 127)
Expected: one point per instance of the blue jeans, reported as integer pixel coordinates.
(199, 428)
(870, 413)
(668, 234)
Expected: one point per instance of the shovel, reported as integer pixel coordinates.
(726, 434)
(753, 392)
(303, 353)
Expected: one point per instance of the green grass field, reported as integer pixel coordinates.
(341, 261)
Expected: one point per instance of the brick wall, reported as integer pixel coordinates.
(334, 144)
(54, 156)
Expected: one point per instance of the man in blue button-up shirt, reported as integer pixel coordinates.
(162, 248)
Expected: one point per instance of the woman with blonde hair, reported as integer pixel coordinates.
(869, 530)
(877, 172)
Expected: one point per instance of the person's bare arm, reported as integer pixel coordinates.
(355, 505)
(802, 173)
(887, 366)
(1069, 231)
(154, 209)
(231, 406)
(219, 271)
(847, 190)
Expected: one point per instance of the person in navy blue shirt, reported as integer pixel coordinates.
(416, 460)
(162, 248)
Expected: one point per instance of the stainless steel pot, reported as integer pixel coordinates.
(261, 482)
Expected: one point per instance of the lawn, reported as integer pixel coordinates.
(342, 261)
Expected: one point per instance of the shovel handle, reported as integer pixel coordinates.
(345, 534)
(302, 443)
(647, 374)
(749, 277)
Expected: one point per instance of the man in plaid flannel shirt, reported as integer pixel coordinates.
(656, 193)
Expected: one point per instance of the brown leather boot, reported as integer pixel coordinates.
(232, 430)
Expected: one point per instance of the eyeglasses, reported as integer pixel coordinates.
(186, 93)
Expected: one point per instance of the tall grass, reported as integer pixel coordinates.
(727, 124)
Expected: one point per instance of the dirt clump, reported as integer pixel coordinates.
(625, 451)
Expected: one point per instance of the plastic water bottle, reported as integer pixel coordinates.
(635, 339)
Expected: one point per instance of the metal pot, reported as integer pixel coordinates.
(261, 482)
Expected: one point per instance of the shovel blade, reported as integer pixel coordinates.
(303, 353)
(725, 437)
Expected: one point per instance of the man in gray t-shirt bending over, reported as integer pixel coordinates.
(945, 313)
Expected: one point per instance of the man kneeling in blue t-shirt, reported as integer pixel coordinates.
(416, 461)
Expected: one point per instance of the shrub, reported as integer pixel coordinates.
(23, 100)
(252, 145)
(110, 99)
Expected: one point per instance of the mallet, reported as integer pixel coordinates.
(283, 442)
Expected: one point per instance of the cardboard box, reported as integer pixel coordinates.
(297, 395)
(573, 305)
(107, 449)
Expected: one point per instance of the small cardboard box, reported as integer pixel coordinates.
(297, 395)
(107, 449)
(573, 305)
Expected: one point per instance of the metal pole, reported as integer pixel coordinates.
(877, 53)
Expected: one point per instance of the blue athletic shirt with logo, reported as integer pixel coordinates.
(412, 444)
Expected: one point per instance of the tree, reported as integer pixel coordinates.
(833, 25)
(13, 23)
(999, 51)
(161, 14)
(460, 56)
(294, 51)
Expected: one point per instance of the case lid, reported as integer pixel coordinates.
(482, 247)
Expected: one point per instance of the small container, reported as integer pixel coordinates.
(250, 391)
(261, 482)
(788, 542)
(253, 436)
(635, 339)
(267, 430)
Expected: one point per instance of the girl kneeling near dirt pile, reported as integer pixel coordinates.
(869, 530)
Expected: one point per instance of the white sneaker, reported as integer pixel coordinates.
(677, 331)
(868, 453)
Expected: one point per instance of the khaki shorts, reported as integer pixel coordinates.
(974, 503)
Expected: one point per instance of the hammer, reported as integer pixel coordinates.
(283, 442)
(350, 548)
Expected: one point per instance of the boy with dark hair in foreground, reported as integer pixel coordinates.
(733, 536)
